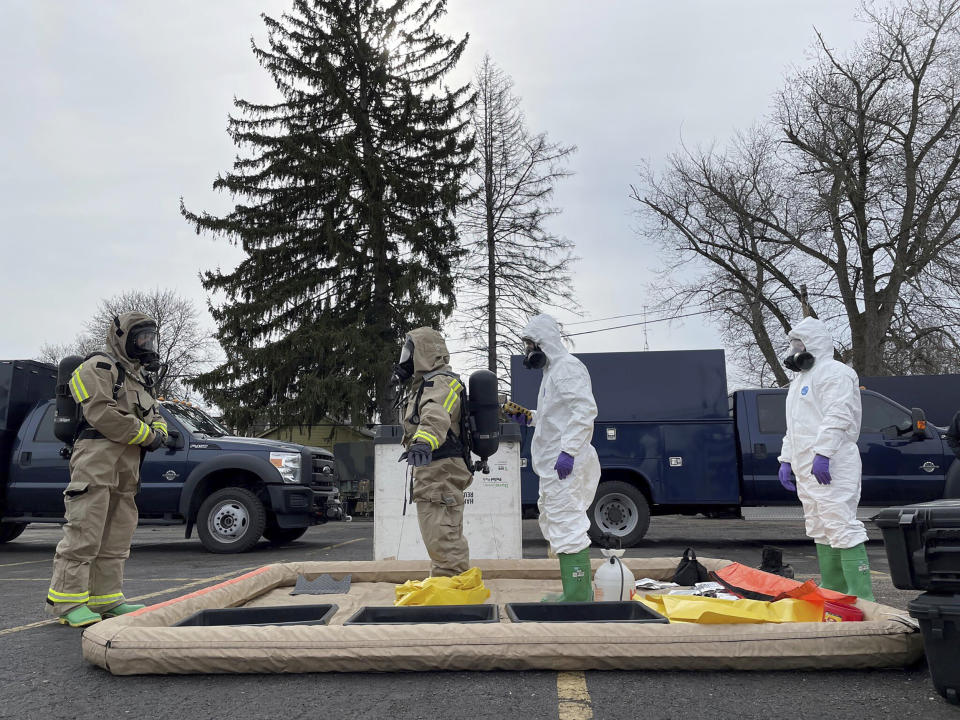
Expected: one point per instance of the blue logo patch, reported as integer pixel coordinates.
(805, 389)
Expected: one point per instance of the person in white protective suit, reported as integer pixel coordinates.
(562, 455)
(820, 449)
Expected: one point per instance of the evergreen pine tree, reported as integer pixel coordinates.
(344, 206)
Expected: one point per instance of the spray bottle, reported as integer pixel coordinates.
(612, 581)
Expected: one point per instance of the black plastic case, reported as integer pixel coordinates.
(923, 545)
(939, 617)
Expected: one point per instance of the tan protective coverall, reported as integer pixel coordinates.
(437, 487)
(104, 477)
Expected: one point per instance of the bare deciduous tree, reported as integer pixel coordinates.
(853, 190)
(514, 265)
(185, 345)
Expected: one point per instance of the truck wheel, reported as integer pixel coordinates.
(11, 530)
(281, 536)
(231, 520)
(620, 510)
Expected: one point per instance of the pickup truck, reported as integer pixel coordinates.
(232, 489)
(671, 440)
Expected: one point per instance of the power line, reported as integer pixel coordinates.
(636, 324)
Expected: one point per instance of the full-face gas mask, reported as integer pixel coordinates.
(533, 357)
(403, 370)
(798, 359)
(143, 346)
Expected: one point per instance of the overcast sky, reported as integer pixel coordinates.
(114, 110)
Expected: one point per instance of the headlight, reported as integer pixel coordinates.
(288, 465)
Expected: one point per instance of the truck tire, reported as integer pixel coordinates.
(11, 531)
(231, 520)
(620, 510)
(281, 536)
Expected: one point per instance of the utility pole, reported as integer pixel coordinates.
(646, 341)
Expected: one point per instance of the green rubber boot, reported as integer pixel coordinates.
(122, 609)
(832, 576)
(856, 571)
(575, 577)
(79, 617)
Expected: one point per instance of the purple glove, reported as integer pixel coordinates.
(519, 418)
(784, 475)
(564, 465)
(821, 469)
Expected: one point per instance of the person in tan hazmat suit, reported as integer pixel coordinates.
(120, 421)
(431, 435)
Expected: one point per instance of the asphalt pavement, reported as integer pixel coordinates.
(42, 673)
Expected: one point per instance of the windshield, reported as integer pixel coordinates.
(196, 420)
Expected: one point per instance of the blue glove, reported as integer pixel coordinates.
(821, 469)
(564, 465)
(519, 418)
(419, 455)
(784, 475)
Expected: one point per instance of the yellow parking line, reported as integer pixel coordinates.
(47, 577)
(331, 547)
(28, 562)
(573, 697)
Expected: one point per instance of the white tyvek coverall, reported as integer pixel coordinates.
(563, 422)
(823, 418)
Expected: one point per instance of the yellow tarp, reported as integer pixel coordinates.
(716, 611)
(464, 589)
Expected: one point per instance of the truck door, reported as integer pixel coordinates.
(38, 473)
(765, 418)
(898, 466)
(163, 474)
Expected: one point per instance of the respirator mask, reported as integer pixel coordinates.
(533, 357)
(798, 359)
(403, 370)
(143, 346)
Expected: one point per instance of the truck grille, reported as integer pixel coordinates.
(324, 476)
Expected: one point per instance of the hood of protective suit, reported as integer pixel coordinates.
(429, 351)
(815, 337)
(545, 332)
(117, 343)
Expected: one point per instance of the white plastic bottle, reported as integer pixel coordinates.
(612, 581)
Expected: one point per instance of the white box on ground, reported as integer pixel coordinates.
(491, 514)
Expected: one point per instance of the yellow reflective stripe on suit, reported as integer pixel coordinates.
(141, 434)
(105, 599)
(452, 396)
(59, 597)
(431, 439)
(79, 389)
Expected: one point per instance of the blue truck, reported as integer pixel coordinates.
(672, 440)
(233, 490)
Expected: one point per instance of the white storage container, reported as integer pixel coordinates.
(492, 513)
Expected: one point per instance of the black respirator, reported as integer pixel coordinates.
(403, 370)
(142, 345)
(533, 357)
(798, 360)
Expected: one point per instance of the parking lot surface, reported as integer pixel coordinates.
(42, 673)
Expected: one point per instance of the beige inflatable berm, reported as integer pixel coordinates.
(145, 643)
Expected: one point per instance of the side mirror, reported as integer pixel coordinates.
(176, 440)
(919, 422)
